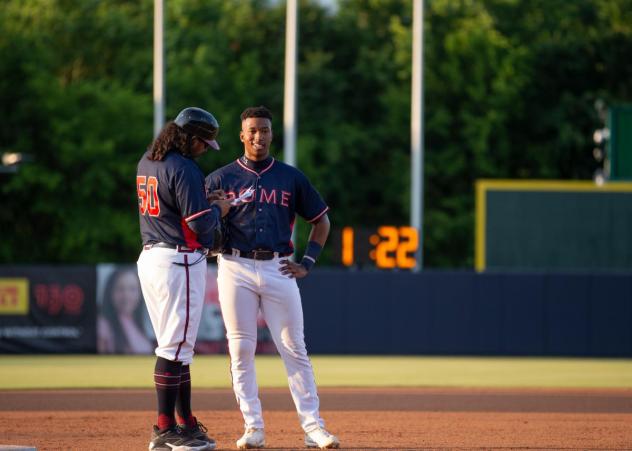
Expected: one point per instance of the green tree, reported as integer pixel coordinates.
(75, 100)
(510, 88)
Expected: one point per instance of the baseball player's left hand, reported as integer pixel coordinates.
(292, 269)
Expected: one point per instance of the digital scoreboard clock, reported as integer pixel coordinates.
(385, 247)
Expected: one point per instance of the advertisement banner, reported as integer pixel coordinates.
(124, 327)
(47, 309)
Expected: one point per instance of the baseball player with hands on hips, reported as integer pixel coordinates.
(255, 273)
(177, 226)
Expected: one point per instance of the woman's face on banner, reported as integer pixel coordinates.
(126, 293)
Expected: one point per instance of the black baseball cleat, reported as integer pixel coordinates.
(199, 432)
(175, 439)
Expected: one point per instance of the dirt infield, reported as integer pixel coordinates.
(372, 419)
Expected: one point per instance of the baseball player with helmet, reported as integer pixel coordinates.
(177, 224)
(254, 273)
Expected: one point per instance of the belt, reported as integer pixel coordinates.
(257, 254)
(178, 247)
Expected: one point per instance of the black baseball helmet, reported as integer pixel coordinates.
(200, 123)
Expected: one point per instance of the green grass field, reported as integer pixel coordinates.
(35, 372)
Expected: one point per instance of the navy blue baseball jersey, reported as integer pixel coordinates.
(172, 204)
(265, 220)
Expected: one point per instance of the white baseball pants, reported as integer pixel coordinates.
(174, 295)
(245, 286)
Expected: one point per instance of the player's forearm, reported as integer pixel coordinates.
(204, 226)
(320, 231)
(317, 238)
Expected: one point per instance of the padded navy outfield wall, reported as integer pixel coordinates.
(53, 309)
(467, 313)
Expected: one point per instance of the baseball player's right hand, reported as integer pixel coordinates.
(218, 194)
(292, 269)
(223, 204)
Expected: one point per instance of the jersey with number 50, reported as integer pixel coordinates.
(172, 204)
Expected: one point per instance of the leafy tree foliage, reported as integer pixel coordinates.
(510, 88)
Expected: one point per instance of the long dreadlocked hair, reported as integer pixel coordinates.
(171, 137)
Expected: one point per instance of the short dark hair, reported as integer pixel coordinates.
(256, 111)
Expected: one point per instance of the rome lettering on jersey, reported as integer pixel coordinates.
(265, 220)
(172, 204)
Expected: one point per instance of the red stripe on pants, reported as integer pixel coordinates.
(186, 323)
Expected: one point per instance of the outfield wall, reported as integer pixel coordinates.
(468, 313)
(52, 309)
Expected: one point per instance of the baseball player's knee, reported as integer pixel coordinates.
(295, 349)
(242, 350)
(293, 342)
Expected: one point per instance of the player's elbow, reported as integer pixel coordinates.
(205, 224)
